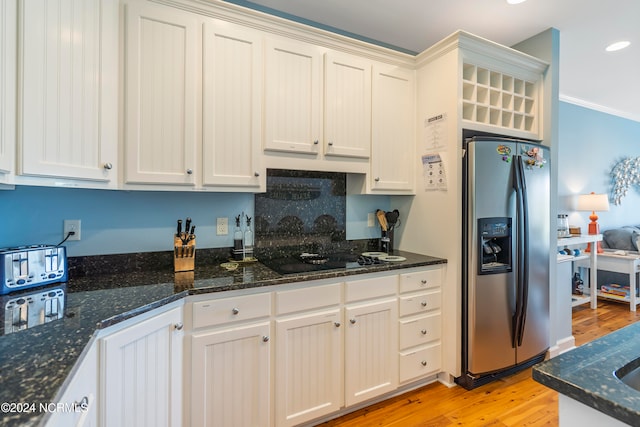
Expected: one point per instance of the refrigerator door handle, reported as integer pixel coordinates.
(522, 264)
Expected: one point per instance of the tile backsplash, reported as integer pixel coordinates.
(301, 210)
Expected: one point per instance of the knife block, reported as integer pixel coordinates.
(184, 256)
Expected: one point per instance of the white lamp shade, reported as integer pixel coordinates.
(593, 202)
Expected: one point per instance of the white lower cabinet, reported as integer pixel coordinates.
(230, 377)
(309, 353)
(79, 397)
(141, 373)
(420, 324)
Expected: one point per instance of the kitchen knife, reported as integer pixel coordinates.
(187, 225)
(179, 230)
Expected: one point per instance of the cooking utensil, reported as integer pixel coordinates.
(382, 219)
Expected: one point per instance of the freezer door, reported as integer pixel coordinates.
(535, 337)
(490, 298)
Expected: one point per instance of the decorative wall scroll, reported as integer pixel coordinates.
(624, 174)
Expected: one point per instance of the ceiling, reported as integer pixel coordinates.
(589, 76)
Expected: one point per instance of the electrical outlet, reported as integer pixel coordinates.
(71, 225)
(371, 220)
(222, 226)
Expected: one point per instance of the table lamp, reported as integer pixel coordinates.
(593, 202)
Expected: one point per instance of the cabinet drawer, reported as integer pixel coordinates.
(419, 363)
(420, 280)
(419, 331)
(371, 288)
(226, 310)
(420, 303)
(307, 298)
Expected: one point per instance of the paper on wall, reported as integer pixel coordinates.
(435, 132)
(433, 172)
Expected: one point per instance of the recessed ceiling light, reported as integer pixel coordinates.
(515, 1)
(617, 46)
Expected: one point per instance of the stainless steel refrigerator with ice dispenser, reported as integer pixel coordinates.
(506, 247)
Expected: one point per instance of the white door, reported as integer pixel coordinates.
(232, 102)
(141, 373)
(393, 139)
(230, 371)
(309, 367)
(371, 350)
(162, 80)
(69, 66)
(347, 113)
(293, 97)
(8, 60)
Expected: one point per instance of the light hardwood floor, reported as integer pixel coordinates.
(513, 401)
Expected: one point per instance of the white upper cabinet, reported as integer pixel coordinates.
(68, 93)
(8, 32)
(161, 81)
(393, 135)
(293, 97)
(347, 101)
(232, 106)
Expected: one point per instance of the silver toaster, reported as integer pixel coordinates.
(29, 266)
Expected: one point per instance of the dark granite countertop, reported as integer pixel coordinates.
(586, 374)
(35, 362)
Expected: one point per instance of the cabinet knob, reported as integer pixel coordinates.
(235, 311)
(189, 171)
(265, 338)
(424, 363)
(377, 179)
(423, 281)
(82, 405)
(423, 332)
(330, 143)
(256, 174)
(423, 303)
(316, 142)
(178, 326)
(352, 321)
(108, 166)
(337, 324)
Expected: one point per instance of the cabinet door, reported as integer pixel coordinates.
(393, 141)
(141, 373)
(162, 80)
(347, 115)
(8, 36)
(68, 121)
(293, 90)
(309, 367)
(230, 377)
(232, 116)
(371, 350)
(79, 398)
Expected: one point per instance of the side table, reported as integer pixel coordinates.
(629, 263)
(591, 262)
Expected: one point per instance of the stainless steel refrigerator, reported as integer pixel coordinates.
(506, 249)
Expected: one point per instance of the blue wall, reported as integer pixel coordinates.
(591, 144)
(137, 221)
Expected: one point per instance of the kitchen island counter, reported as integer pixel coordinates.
(35, 362)
(586, 374)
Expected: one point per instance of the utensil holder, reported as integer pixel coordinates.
(184, 255)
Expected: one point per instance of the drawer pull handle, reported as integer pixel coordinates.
(424, 363)
(178, 326)
(423, 303)
(235, 311)
(423, 281)
(337, 324)
(424, 332)
(353, 321)
(265, 338)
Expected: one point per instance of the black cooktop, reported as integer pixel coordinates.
(309, 262)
